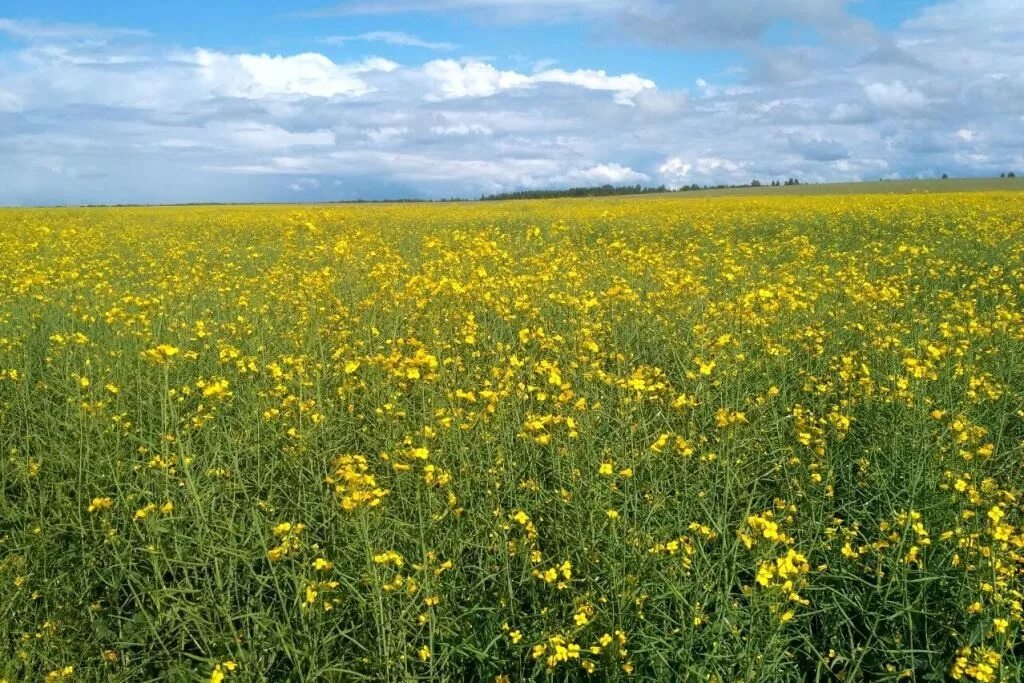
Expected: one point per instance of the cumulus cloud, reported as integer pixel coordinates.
(603, 174)
(308, 74)
(895, 97)
(460, 129)
(625, 87)
(676, 171)
(453, 80)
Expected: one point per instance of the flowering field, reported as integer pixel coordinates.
(755, 439)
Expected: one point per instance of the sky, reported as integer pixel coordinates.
(321, 100)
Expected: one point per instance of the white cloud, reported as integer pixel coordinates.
(625, 87)
(254, 135)
(9, 102)
(399, 38)
(454, 80)
(308, 74)
(675, 168)
(461, 129)
(991, 17)
(37, 31)
(386, 134)
(846, 113)
(704, 170)
(451, 79)
(895, 97)
(603, 174)
(660, 102)
(711, 165)
(178, 143)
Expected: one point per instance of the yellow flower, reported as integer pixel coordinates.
(99, 504)
(389, 557)
(659, 444)
(996, 514)
(217, 388)
(161, 353)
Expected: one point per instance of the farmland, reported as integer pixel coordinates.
(728, 439)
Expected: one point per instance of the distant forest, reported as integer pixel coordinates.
(610, 190)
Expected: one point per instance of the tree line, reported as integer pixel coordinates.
(611, 190)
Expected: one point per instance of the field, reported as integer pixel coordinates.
(709, 439)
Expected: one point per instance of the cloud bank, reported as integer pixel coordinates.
(98, 114)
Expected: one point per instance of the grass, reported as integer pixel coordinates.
(750, 438)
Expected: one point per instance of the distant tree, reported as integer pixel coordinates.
(1011, 174)
(945, 176)
(1002, 175)
(755, 183)
(601, 191)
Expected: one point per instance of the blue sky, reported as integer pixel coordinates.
(318, 100)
